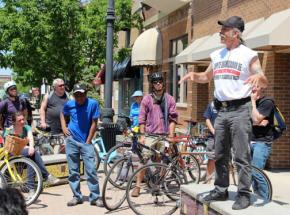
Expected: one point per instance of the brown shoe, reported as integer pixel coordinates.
(135, 192)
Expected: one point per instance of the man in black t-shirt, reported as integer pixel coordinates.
(262, 136)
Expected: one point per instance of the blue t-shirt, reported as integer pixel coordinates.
(210, 113)
(81, 117)
(134, 114)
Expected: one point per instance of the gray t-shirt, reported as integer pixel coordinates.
(54, 107)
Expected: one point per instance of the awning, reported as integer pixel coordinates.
(274, 31)
(203, 51)
(166, 6)
(147, 49)
(124, 70)
(185, 55)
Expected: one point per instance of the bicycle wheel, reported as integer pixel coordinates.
(24, 176)
(97, 158)
(3, 182)
(114, 187)
(114, 154)
(261, 184)
(190, 168)
(159, 192)
(43, 147)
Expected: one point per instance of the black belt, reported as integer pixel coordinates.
(231, 103)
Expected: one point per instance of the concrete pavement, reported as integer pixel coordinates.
(53, 200)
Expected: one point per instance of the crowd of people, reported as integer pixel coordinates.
(239, 119)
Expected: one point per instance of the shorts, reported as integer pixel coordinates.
(152, 142)
(210, 148)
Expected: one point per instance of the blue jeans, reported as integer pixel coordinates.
(39, 162)
(74, 150)
(260, 153)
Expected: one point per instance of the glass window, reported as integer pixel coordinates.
(178, 91)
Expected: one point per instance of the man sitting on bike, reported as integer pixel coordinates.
(157, 116)
(24, 131)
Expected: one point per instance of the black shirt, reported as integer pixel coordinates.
(265, 107)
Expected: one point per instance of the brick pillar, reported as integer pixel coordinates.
(277, 70)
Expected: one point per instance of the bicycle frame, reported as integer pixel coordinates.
(4, 155)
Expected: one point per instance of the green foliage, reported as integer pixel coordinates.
(57, 38)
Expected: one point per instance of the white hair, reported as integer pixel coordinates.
(240, 34)
(55, 81)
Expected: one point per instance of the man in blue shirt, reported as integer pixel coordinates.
(83, 114)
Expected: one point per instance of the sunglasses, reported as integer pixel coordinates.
(158, 82)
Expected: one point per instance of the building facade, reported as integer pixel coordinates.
(189, 32)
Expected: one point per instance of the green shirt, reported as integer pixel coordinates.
(24, 133)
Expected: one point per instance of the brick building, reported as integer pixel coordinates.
(189, 32)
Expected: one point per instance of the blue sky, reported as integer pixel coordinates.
(5, 71)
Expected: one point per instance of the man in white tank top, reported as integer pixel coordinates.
(236, 71)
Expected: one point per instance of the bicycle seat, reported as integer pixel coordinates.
(47, 129)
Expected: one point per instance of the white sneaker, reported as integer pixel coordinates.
(52, 180)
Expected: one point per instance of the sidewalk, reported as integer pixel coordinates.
(53, 200)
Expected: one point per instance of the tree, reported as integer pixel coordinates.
(56, 38)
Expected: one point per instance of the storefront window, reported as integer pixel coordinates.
(178, 91)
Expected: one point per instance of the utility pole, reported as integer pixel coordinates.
(108, 112)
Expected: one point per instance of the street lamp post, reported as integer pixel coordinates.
(108, 112)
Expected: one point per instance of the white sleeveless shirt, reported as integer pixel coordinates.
(230, 70)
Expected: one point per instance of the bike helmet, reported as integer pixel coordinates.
(9, 84)
(156, 77)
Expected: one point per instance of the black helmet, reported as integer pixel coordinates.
(156, 77)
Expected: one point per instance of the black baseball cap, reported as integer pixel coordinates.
(79, 88)
(233, 22)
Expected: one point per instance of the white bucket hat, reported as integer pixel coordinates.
(137, 93)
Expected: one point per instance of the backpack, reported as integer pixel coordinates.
(279, 124)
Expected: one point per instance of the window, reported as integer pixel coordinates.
(178, 45)
(178, 91)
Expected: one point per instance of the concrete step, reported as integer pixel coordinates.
(192, 203)
(57, 166)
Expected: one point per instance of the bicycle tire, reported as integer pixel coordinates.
(3, 182)
(118, 173)
(261, 178)
(107, 164)
(21, 164)
(192, 169)
(97, 158)
(256, 172)
(160, 184)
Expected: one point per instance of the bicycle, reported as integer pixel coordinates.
(258, 174)
(119, 174)
(20, 172)
(47, 143)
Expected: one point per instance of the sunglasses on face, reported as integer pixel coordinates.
(158, 82)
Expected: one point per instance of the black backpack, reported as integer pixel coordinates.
(279, 125)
